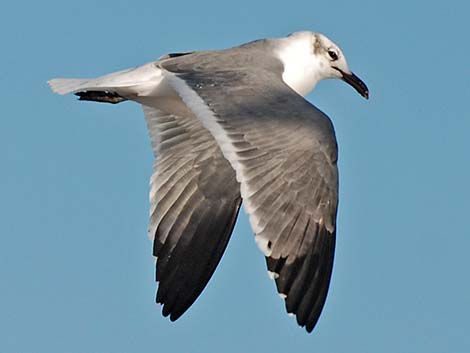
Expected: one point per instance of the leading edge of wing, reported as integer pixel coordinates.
(284, 153)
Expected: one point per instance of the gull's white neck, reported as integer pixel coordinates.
(301, 69)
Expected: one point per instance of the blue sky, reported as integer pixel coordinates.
(76, 269)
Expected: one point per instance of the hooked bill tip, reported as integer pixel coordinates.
(355, 82)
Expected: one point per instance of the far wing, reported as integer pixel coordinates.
(284, 152)
(195, 200)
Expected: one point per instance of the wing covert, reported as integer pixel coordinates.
(284, 152)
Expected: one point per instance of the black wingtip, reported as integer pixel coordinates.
(305, 281)
(185, 273)
(175, 316)
(100, 96)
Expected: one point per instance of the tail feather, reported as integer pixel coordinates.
(67, 85)
(137, 81)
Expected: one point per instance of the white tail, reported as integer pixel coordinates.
(140, 81)
(67, 85)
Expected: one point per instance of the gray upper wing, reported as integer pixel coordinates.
(195, 200)
(284, 152)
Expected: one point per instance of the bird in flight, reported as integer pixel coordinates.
(232, 125)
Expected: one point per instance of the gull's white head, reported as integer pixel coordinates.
(310, 57)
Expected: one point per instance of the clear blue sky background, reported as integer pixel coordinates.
(76, 269)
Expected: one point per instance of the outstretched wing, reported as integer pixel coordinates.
(284, 152)
(195, 200)
(194, 194)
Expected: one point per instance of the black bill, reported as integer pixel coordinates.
(356, 82)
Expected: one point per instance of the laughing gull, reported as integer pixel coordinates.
(232, 125)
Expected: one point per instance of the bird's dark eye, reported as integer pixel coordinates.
(333, 55)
